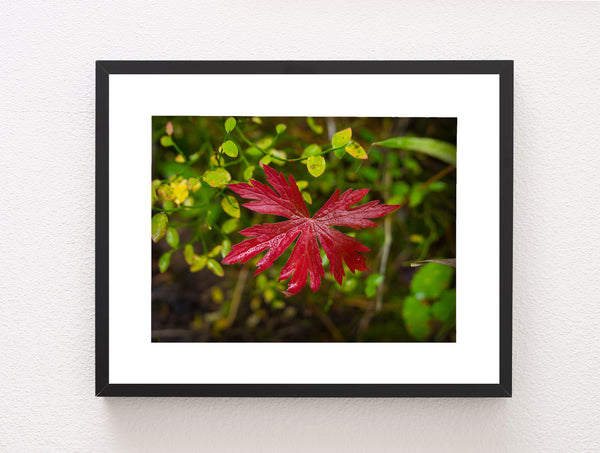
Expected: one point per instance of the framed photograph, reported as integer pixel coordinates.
(304, 228)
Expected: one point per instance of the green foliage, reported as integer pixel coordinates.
(196, 158)
(430, 301)
(430, 280)
(436, 148)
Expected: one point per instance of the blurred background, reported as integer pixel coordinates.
(196, 220)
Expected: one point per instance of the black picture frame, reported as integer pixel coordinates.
(503, 68)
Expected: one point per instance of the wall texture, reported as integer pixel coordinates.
(47, 223)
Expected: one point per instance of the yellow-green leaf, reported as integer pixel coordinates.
(166, 141)
(215, 267)
(172, 237)
(225, 247)
(180, 191)
(355, 150)
(164, 261)
(198, 263)
(188, 253)
(230, 226)
(230, 124)
(266, 160)
(307, 197)
(341, 138)
(302, 184)
(217, 178)
(166, 192)
(231, 206)
(314, 127)
(230, 148)
(315, 165)
(159, 226)
(280, 129)
(248, 172)
(194, 184)
(215, 251)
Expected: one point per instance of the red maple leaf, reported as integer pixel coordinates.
(305, 260)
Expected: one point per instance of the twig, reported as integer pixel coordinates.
(437, 176)
(327, 322)
(237, 296)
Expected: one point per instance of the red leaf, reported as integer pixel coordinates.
(305, 260)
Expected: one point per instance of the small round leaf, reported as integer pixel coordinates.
(230, 124)
(215, 267)
(172, 237)
(315, 165)
(164, 261)
(230, 226)
(159, 226)
(166, 141)
(355, 150)
(341, 138)
(230, 148)
(231, 206)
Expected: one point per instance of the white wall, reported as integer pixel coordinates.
(47, 224)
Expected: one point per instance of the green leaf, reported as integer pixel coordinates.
(172, 237)
(253, 151)
(215, 267)
(198, 263)
(307, 197)
(230, 226)
(373, 282)
(159, 226)
(166, 141)
(230, 148)
(416, 317)
(445, 306)
(312, 150)
(188, 253)
(225, 247)
(266, 160)
(164, 261)
(248, 172)
(339, 153)
(355, 150)
(349, 284)
(341, 138)
(230, 124)
(217, 178)
(313, 126)
(444, 151)
(231, 206)
(417, 196)
(431, 280)
(316, 165)
(280, 129)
